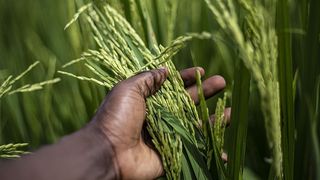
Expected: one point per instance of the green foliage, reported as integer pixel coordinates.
(7, 84)
(257, 46)
(239, 118)
(32, 31)
(173, 127)
(173, 121)
(286, 87)
(35, 30)
(6, 88)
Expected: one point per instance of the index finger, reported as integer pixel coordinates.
(189, 75)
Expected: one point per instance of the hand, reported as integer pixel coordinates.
(123, 112)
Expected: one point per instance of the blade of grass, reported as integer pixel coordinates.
(309, 70)
(196, 160)
(186, 171)
(127, 11)
(239, 118)
(310, 81)
(314, 129)
(286, 89)
(156, 20)
(147, 27)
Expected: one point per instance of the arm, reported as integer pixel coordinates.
(86, 154)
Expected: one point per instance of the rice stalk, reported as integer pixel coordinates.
(239, 119)
(218, 136)
(257, 46)
(6, 87)
(286, 87)
(12, 150)
(219, 124)
(172, 118)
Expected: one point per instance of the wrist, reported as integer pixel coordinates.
(105, 149)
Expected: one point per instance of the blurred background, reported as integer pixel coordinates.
(33, 30)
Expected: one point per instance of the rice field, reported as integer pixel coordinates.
(59, 59)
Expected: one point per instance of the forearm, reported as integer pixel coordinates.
(86, 154)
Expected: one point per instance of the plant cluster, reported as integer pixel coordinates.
(12, 150)
(184, 142)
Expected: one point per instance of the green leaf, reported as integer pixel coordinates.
(239, 118)
(286, 89)
(193, 154)
(198, 165)
(186, 171)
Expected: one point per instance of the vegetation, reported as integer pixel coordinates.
(268, 51)
(12, 150)
(6, 88)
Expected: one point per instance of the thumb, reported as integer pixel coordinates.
(148, 82)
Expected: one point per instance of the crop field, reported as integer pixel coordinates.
(59, 58)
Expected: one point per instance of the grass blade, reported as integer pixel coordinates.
(196, 159)
(186, 171)
(309, 70)
(285, 87)
(239, 125)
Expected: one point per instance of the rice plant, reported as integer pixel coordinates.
(12, 150)
(290, 28)
(173, 122)
(257, 46)
(6, 88)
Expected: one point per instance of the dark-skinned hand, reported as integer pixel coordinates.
(123, 112)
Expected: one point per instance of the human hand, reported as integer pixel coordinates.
(122, 114)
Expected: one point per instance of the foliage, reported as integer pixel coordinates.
(257, 46)
(173, 121)
(6, 86)
(35, 30)
(11, 150)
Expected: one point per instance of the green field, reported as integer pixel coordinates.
(268, 52)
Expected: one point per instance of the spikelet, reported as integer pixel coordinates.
(6, 87)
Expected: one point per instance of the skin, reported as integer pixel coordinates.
(112, 145)
(123, 112)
